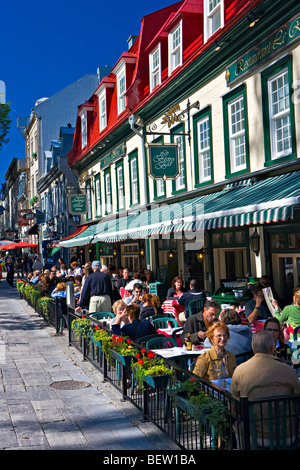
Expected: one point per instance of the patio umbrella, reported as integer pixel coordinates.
(14, 246)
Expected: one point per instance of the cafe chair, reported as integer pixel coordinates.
(196, 306)
(143, 339)
(162, 342)
(102, 315)
(243, 357)
(158, 315)
(168, 322)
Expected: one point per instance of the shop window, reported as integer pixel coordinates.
(278, 112)
(179, 184)
(108, 194)
(89, 200)
(134, 179)
(97, 196)
(120, 187)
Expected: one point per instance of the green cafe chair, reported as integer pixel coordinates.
(196, 306)
(164, 322)
(102, 315)
(162, 342)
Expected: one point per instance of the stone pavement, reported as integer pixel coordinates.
(36, 416)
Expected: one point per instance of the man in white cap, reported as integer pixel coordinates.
(97, 291)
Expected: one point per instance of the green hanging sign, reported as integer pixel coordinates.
(77, 204)
(163, 161)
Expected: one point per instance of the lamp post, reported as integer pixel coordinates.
(254, 240)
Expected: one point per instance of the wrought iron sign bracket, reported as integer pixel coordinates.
(171, 116)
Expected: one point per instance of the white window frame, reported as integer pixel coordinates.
(89, 199)
(236, 133)
(120, 187)
(175, 50)
(83, 118)
(204, 149)
(160, 187)
(121, 91)
(211, 9)
(108, 198)
(280, 115)
(102, 111)
(180, 181)
(155, 70)
(134, 181)
(98, 196)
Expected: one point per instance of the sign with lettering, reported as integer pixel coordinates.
(77, 203)
(276, 42)
(114, 155)
(163, 161)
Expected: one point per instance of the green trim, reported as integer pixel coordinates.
(97, 178)
(285, 62)
(239, 91)
(108, 171)
(131, 156)
(203, 113)
(118, 165)
(89, 183)
(179, 128)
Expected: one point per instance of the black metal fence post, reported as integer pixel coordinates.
(244, 424)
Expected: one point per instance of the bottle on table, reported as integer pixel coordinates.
(188, 342)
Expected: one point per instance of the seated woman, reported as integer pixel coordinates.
(133, 327)
(290, 315)
(176, 291)
(217, 362)
(60, 290)
(273, 325)
(151, 306)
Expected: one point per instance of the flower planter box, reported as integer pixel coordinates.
(124, 360)
(157, 381)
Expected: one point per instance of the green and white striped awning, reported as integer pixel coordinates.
(157, 220)
(268, 200)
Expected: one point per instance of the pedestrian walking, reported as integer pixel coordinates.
(97, 291)
(10, 268)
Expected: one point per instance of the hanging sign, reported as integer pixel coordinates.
(77, 203)
(163, 161)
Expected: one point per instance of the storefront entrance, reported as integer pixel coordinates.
(286, 269)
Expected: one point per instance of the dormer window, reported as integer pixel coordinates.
(102, 111)
(213, 17)
(121, 86)
(175, 48)
(154, 68)
(83, 129)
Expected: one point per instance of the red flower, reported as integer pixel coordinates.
(97, 327)
(150, 354)
(143, 350)
(141, 362)
(137, 356)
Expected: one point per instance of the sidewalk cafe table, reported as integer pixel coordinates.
(168, 332)
(168, 353)
(171, 307)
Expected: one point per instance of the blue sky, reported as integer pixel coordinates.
(45, 46)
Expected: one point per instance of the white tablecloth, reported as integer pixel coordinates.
(177, 351)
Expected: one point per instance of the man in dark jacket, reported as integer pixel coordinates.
(193, 294)
(198, 324)
(97, 291)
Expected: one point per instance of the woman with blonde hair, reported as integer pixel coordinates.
(290, 315)
(217, 362)
(151, 306)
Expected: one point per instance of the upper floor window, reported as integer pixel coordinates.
(121, 86)
(278, 111)
(236, 131)
(175, 48)
(97, 196)
(134, 179)
(89, 199)
(120, 187)
(102, 111)
(83, 130)
(203, 147)
(213, 17)
(155, 66)
(108, 195)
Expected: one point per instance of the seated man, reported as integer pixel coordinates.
(133, 327)
(256, 308)
(136, 296)
(192, 294)
(198, 324)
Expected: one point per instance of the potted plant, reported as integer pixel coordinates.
(210, 412)
(150, 369)
(82, 328)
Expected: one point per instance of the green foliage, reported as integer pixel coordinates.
(148, 364)
(5, 123)
(82, 328)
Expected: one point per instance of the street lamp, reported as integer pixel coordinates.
(254, 240)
